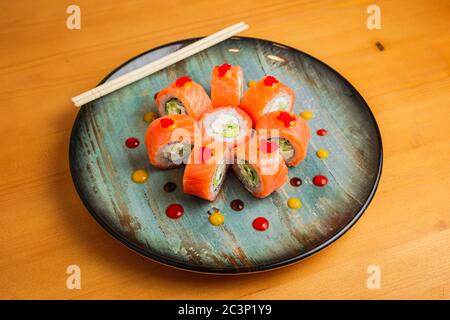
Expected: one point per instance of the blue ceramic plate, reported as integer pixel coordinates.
(101, 167)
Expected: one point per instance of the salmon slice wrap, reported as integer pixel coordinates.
(227, 85)
(228, 125)
(259, 166)
(267, 95)
(183, 96)
(206, 170)
(290, 131)
(170, 139)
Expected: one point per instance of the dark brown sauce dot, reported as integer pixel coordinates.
(170, 187)
(296, 182)
(237, 205)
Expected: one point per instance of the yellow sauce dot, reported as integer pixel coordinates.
(322, 153)
(306, 115)
(139, 176)
(251, 83)
(294, 203)
(216, 218)
(150, 116)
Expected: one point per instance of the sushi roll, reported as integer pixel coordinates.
(227, 85)
(265, 96)
(290, 131)
(259, 166)
(183, 96)
(228, 125)
(205, 171)
(170, 139)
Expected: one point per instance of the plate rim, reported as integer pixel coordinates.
(220, 270)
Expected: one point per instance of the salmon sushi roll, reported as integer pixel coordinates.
(227, 85)
(259, 166)
(205, 171)
(228, 125)
(170, 139)
(290, 131)
(267, 95)
(184, 96)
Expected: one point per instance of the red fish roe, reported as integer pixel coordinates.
(322, 132)
(286, 118)
(181, 81)
(260, 224)
(166, 123)
(270, 81)
(132, 142)
(223, 69)
(320, 181)
(174, 211)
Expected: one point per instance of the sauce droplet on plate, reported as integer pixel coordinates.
(294, 203)
(322, 153)
(237, 205)
(306, 115)
(132, 142)
(139, 176)
(322, 132)
(320, 181)
(216, 218)
(150, 116)
(295, 182)
(260, 224)
(174, 211)
(170, 187)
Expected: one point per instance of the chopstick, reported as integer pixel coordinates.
(159, 64)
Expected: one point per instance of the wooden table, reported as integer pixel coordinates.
(45, 228)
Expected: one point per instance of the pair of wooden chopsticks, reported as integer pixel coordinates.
(159, 64)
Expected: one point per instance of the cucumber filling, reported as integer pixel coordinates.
(286, 148)
(218, 177)
(174, 106)
(249, 175)
(177, 152)
(226, 126)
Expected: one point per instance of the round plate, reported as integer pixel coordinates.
(101, 167)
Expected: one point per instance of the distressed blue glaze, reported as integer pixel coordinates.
(101, 166)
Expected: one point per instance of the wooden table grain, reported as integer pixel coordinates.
(45, 228)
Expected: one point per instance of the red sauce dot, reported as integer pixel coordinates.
(181, 81)
(260, 224)
(223, 69)
(322, 132)
(174, 211)
(270, 80)
(166, 123)
(132, 142)
(237, 205)
(296, 182)
(286, 118)
(320, 181)
(268, 146)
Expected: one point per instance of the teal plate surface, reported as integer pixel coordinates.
(101, 167)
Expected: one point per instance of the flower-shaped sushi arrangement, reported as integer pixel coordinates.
(253, 132)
